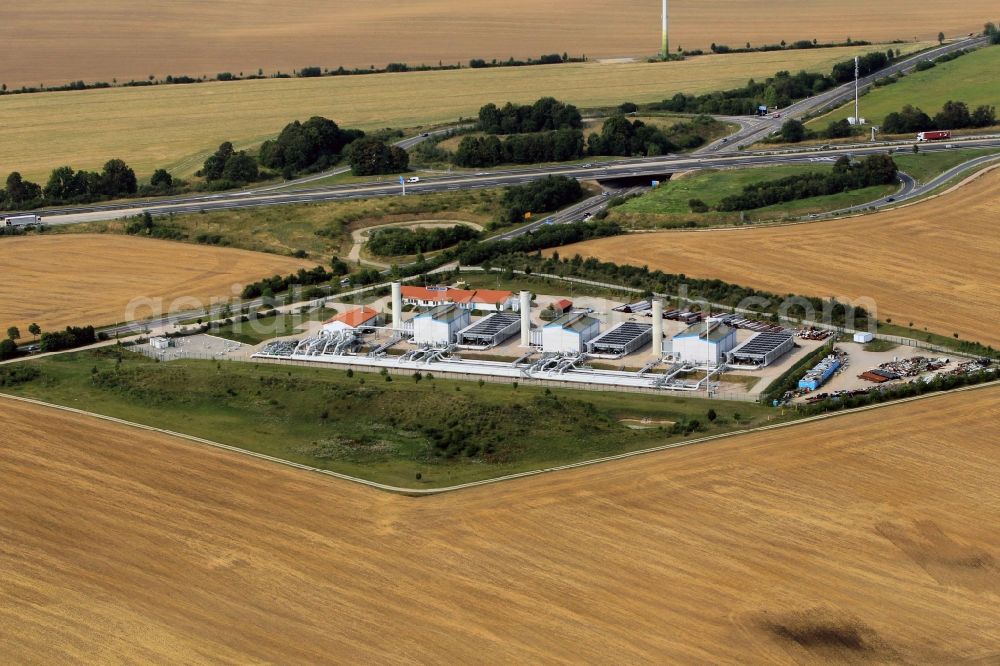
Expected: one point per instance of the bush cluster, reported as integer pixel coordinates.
(370, 157)
(548, 193)
(313, 145)
(397, 241)
(278, 284)
(546, 114)
(73, 336)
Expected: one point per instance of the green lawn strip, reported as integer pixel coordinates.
(965, 79)
(923, 167)
(373, 429)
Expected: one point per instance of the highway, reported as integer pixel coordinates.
(724, 153)
(600, 171)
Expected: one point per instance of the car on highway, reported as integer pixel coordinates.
(413, 179)
(890, 199)
(425, 134)
(483, 173)
(587, 165)
(32, 349)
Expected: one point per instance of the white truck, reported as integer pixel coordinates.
(20, 220)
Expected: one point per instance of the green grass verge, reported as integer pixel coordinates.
(925, 166)
(668, 205)
(449, 431)
(967, 79)
(949, 342)
(264, 328)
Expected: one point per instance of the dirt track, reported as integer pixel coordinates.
(870, 538)
(933, 263)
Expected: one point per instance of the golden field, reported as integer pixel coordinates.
(933, 263)
(80, 279)
(49, 41)
(177, 126)
(868, 538)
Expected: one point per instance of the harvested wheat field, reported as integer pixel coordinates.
(866, 538)
(933, 263)
(48, 41)
(177, 126)
(82, 279)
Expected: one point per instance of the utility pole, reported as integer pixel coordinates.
(666, 40)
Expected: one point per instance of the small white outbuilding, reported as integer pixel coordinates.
(863, 338)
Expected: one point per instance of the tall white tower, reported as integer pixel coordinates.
(666, 40)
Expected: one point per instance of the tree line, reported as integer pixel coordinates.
(399, 241)
(115, 180)
(782, 46)
(310, 71)
(552, 146)
(779, 90)
(845, 176)
(953, 115)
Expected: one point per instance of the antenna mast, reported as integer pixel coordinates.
(857, 114)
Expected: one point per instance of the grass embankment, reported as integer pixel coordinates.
(925, 166)
(276, 325)
(178, 126)
(540, 285)
(322, 229)
(449, 431)
(970, 79)
(668, 205)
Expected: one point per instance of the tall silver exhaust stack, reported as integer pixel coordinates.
(658, 326)
(525, 318)
(397, 307)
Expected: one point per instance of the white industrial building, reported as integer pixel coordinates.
(703, 343)
(161, 343)
(570, 333)
(440, 325)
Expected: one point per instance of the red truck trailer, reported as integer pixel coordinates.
(933, 136)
